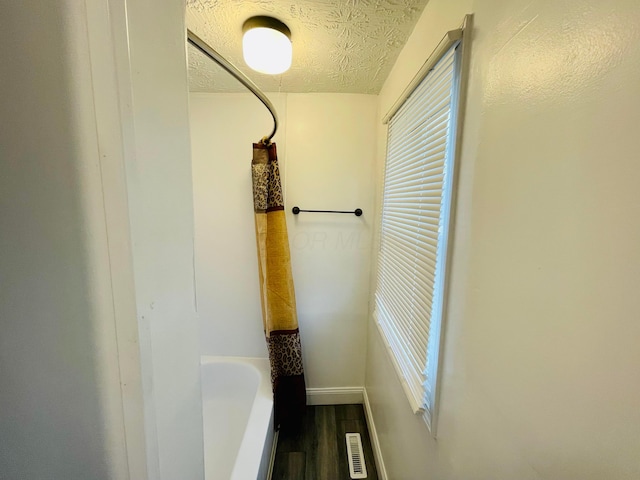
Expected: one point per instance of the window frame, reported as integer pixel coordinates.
(447, 217)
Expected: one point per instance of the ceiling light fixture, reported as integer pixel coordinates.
(266, 45)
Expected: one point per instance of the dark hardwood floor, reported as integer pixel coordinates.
(316, 450)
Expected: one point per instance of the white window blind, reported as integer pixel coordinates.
(414, 225)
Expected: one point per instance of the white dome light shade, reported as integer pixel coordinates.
(266, 45)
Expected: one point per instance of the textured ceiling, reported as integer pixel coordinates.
(344, 46)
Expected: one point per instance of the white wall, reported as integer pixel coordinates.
(161, 211)
(326, 147)
(541, 354)
(61, 413)
(88, 110)
(223, 128)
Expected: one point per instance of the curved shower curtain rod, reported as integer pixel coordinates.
(209, 52)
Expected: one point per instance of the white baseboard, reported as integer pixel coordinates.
(373, 435)
(335, 396)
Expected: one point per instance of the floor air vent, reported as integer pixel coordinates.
(357, 467)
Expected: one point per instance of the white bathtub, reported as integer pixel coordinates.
(237, 408)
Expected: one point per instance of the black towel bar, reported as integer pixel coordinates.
(357, 212)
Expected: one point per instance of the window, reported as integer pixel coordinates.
(414, 229)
